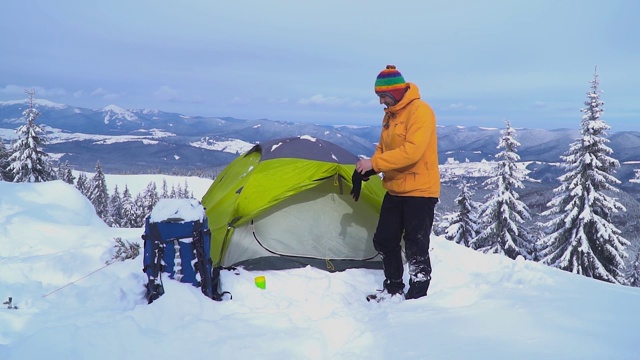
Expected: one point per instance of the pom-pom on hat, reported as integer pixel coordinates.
(391, 82)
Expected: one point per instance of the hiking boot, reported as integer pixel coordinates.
(384, 295)
(417, 289)
(393, 286)
(392, 290)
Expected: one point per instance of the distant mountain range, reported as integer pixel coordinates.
(144, 140)
(153, 141)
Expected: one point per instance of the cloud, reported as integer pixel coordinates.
(40, 91)
(100, 92)
(239, 100)
(321, 100)
(279, 101)
(111, 96)
(331, 101)
(539, 105)
(461, 106)
(166, 94)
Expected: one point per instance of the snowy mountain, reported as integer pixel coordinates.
(149, 140)
(117, 114)
(66, 303)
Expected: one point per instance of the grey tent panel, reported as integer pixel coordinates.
(305, 147)
(292, 262)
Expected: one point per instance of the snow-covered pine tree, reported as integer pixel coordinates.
(186, 193)
(633, 273)
(60, 171)
(65, 173)
(636, 177)
(140, 208)
(176, 193)
(130, 214)
(440, 223)
(463, 225)
(502, 216)
(98, 193)
(537, 231)
(165, 190)
(28, 162)
(5, 174)
(83, 185)
(581, 238)
(150, 198)
(115, 210)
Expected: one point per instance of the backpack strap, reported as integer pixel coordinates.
(203, 262)
(215, 283)
(154, 249)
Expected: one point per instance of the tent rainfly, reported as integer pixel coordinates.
(286, 203)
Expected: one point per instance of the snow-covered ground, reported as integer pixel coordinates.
(53, 250)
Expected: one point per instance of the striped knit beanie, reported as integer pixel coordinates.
(391, 82)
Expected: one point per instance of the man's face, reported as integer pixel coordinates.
(387, 100)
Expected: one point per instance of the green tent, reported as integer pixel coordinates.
(286, 203)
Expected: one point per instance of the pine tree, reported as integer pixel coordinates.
(28, 162)
(503, 215)
(440, 222)
(178, 192)
(68, 175)
(633, 273)
(150, 198)
(463, 225)
(129, 212)
(82, 184)
(115, 210)
(140, 211)
(60, 171)
(582, 239)
(98, 193)
(165, 189)
(186, 193)
(5, 174)
(65, 174)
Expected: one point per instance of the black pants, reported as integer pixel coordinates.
(412, 216)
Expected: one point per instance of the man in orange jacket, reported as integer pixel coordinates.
(407, 155)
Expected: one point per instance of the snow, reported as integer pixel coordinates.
(453, 169)
(233, 146)
(275, 146)
(116, 112)
(183, 209)
(37, 103)
(71, 305)
(56, 136)
(351, 126)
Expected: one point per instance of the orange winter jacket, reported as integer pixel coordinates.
(407, 152)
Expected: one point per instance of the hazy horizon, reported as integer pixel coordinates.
(475, 63)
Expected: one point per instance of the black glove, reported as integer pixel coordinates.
(356, 181)
(367, 174)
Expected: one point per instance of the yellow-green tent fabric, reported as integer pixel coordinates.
(289, 199)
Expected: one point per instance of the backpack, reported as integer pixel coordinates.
(181, 249)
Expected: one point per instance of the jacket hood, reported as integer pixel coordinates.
(412, 93)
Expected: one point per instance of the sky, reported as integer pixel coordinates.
(71, 305)
(476, 63)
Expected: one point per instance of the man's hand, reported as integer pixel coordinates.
(364, 165)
